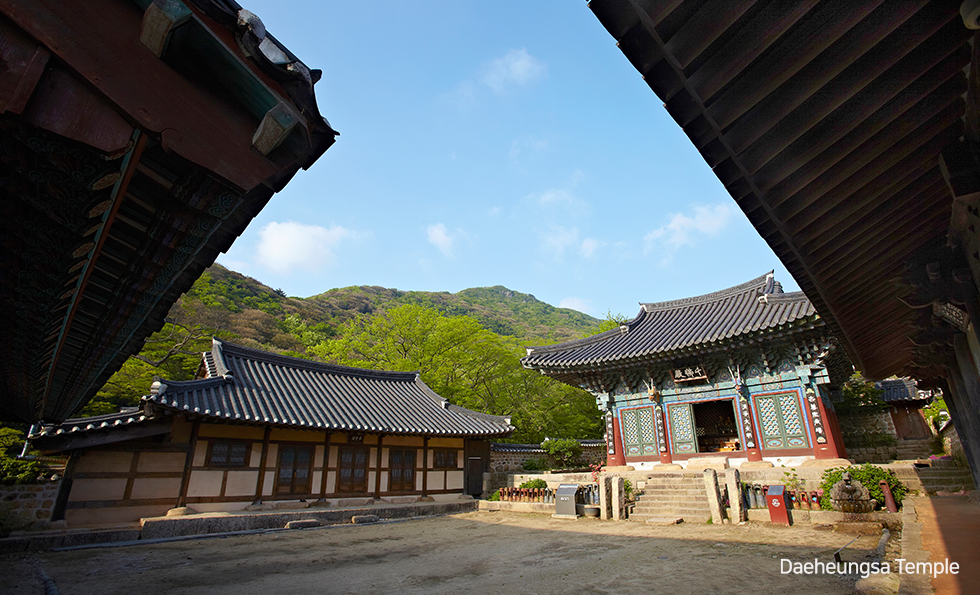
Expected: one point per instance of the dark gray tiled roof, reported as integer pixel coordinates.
(248, 385)
(536, 448)
(126, 417)
(902, 389)
(663, 328)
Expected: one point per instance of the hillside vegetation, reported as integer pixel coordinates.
(467, 345)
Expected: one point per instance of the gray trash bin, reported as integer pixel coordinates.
(565, 500)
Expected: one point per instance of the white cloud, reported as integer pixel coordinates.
(561, 200)
(575, 303)
(684, 230)
(531, 143)
(290, 245)
(558, 239)
(443, 239)
(589, 246)
(516, 69)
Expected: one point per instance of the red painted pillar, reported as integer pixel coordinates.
(665, 455)
(754, 452)
(618, 458)
(828, 449)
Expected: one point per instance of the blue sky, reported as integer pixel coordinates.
(502, 143)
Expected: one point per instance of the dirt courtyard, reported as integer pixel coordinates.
(498, 552)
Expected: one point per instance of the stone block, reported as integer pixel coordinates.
(291, 505)
(825, 463)
(181, 511)
(361, 519)
(756, 465)
(303, 524)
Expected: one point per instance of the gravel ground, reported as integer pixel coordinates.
(499, 551)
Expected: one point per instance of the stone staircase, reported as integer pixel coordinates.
(911, 450)
(668, 498)
(949, 478)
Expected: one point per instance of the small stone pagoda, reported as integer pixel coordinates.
(744, 374)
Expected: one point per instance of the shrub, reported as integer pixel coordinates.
(535, 465)
(12, 469)
(869, 476)
(566, 452)
(495, 496)
(533, 484)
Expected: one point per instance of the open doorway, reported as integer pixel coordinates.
(714, 423)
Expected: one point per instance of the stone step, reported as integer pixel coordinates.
(664, 520)
(651, 509)
(667, 492)
(674, 498)
(688, 516)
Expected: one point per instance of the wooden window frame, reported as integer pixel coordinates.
(309, 473)
(436, 452)
(340, 465)
(210, 462)
(403, 467)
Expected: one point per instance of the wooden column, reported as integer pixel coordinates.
(323, 470)
(618, 458)
(828, 450)
(188, 462)
(64, 488)
(377, 470)
(754, 454)
(263, 461)
(666, 457)
(425, 465)
(967, 397)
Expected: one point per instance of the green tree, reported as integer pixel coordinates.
(860, 396)
(612, 321)
(467, 364)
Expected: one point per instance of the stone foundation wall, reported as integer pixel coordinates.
(951, 442)
(26, 506)
(868, 437)
(871, 454)
(512, 462)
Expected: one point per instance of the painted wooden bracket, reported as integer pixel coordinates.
(159, 22)
(274, 128)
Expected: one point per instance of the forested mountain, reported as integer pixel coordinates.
(467, 345)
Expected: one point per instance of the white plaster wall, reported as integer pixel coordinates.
(155, 487)
(161, 461)
(331, 482)
(241, 483)
(97, 489)
(200, 453)
(205, 483)
(454, 480)
(105, 462)
(436, 480)
(270, 477)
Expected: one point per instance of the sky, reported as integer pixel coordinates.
(492, 143)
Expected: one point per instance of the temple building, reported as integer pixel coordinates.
(256, 429)
(746, 374)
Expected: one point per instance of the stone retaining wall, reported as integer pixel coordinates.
(26, 506)
(951, 442)
(876, 454)
(513, 462)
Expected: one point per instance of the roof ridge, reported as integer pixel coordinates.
(757, 283)
(620, 330)
(305, 364)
